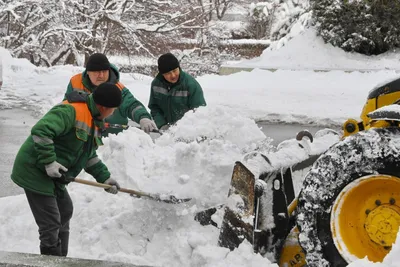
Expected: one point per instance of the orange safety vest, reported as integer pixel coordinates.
(83, 118)
(77, 84)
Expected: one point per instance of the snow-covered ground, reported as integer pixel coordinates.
(127, 229)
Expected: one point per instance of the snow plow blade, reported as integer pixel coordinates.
(262, 198)
(236, 225)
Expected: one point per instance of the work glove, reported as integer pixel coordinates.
(115, 186)
(54, 169)
(164, 127)
(147, 125)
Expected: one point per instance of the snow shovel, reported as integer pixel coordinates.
(125, 127)
(157, 197)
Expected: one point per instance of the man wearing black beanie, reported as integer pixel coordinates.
(173, 92)
(61, 145)
(98, 71)
(108, 95)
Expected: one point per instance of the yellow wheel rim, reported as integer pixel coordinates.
(365, 218)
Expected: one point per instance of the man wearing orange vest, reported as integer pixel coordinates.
(61, 144)
(99, 70)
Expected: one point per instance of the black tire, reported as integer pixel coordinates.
(368, 152)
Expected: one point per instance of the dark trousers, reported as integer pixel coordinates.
(52, 215)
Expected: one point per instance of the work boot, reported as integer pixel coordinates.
(54, 251)
(64, 240)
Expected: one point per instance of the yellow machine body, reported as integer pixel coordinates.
(377, 98)
(292, 255)
(365, 215)
(373, 228)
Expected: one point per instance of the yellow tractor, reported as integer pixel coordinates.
(348, 204)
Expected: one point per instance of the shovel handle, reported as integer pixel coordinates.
(167, 199)
(107, 186)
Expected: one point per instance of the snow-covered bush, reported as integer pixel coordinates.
(277, 17)
(261, 15)
(200, 61)
(364, 26)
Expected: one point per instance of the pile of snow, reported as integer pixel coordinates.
(123, 228)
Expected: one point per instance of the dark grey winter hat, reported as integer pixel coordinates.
(97, 62)
(107, 95)
(167, 62)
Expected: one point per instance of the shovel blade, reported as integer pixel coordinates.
(164, 198)
(174, 200)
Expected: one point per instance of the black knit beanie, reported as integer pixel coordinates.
(167, 62)
(107, 95)
(97, 62)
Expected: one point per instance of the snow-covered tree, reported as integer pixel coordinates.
(216, 8)
(364, 26)
(53, 32)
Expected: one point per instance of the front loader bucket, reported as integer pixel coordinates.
(257, 211)
(262, 189)
(237, 223)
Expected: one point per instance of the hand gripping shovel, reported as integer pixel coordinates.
(157, 197)
(125, 127)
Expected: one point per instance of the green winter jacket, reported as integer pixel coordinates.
(63, 136)
(130, 108)
(170, 101)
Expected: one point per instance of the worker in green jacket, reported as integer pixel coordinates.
(173, 92)
(61, 144)
(99, 70)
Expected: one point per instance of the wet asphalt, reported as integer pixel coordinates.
(281, 132)
(15, 126)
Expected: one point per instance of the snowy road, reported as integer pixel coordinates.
(281, 132)
(15, 125)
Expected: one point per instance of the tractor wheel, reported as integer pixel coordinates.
(349, 206)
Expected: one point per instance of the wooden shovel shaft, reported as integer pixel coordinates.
(167, 199)
(106, 186)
